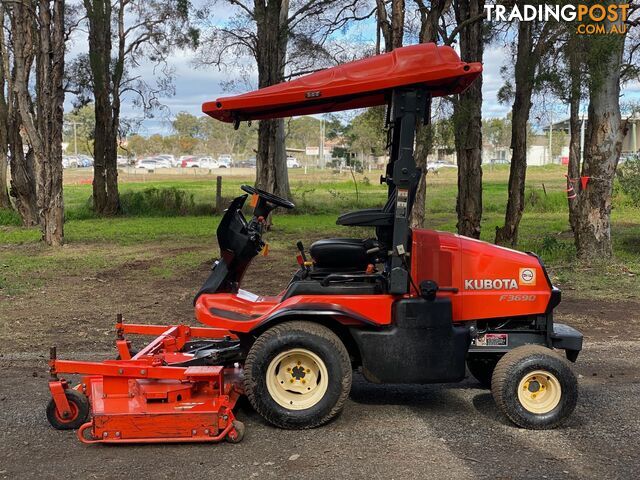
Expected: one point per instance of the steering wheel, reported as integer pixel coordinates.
(269, 197)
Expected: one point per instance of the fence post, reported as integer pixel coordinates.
(218, 194)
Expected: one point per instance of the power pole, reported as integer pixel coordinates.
(321, 152)
(550, 137)
(75, 137)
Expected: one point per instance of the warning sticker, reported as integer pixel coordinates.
(493, 340)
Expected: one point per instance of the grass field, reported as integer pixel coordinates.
(94, 243)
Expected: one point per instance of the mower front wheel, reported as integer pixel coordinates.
(534, 387)
(79, 406)
(297, 375)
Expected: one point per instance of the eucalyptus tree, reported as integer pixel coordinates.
(283, 39)
(123, 34)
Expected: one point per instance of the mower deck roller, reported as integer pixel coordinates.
(164, 393)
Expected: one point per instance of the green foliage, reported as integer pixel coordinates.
(444, 135)
(536, 200)
(553, 249)
(85, 124)
(9, 217)
(157, 202)
(629, 178)
(497, 131)
(367, 132)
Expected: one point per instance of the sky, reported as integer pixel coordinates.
(193, 86)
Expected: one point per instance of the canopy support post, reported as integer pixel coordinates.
(408, 107)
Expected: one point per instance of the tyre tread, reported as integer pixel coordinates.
(306, 327)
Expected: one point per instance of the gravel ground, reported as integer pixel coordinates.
(390, 432)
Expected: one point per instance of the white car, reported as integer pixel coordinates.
(225, 161)
(153, 163)
(202, 162)
(292, 162)
(436, 166)
(122, 161)
(169, 158)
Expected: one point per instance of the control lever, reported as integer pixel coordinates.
(301, 249)
(302, 257)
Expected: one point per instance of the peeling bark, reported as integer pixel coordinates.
(5, 201)
(39, 27)
(603, 144)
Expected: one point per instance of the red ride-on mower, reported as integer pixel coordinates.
(404, 306)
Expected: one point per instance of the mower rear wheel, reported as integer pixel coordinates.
(535, 387)
(481, 366)
(79, 406)
(297, 375)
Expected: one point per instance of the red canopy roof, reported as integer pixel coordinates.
(359, 84)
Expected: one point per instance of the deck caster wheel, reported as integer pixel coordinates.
(298, 375)
(237, 434)
(481, 366)
(79, 405)
(534, 387)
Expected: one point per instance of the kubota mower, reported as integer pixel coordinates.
(403, 306)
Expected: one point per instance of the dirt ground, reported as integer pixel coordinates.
(391, 432)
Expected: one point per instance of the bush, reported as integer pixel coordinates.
(538, 201)
(158, 201)
(9, 217)
(629, 178)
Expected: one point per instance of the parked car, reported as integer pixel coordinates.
(153, 163)
(184, 159)
(439, 165)
(122, 161)
(70, 162)
(201, 162)
(292, 162)
(85, 161)
(248, 163)
(169, 158)
(225, 161)
(147, 164)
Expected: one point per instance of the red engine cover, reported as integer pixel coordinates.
(492, 281)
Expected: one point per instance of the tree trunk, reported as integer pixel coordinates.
(524, 73)
(424, 135)
(468, 124)
(44, 125)
(603, 143)
(397, 23)
(105, 172)
(271, 19)
(573, 167)
(23, 183)
(5, 201)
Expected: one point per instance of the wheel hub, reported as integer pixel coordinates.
(297, 379)
(539, 392)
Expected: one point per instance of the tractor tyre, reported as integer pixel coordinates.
(297, 375)
(79, 404)
(534, 387)
(481, 366)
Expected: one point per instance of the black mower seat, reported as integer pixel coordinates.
(343, 253)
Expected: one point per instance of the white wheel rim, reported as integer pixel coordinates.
(539, 392)
(297, 379)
